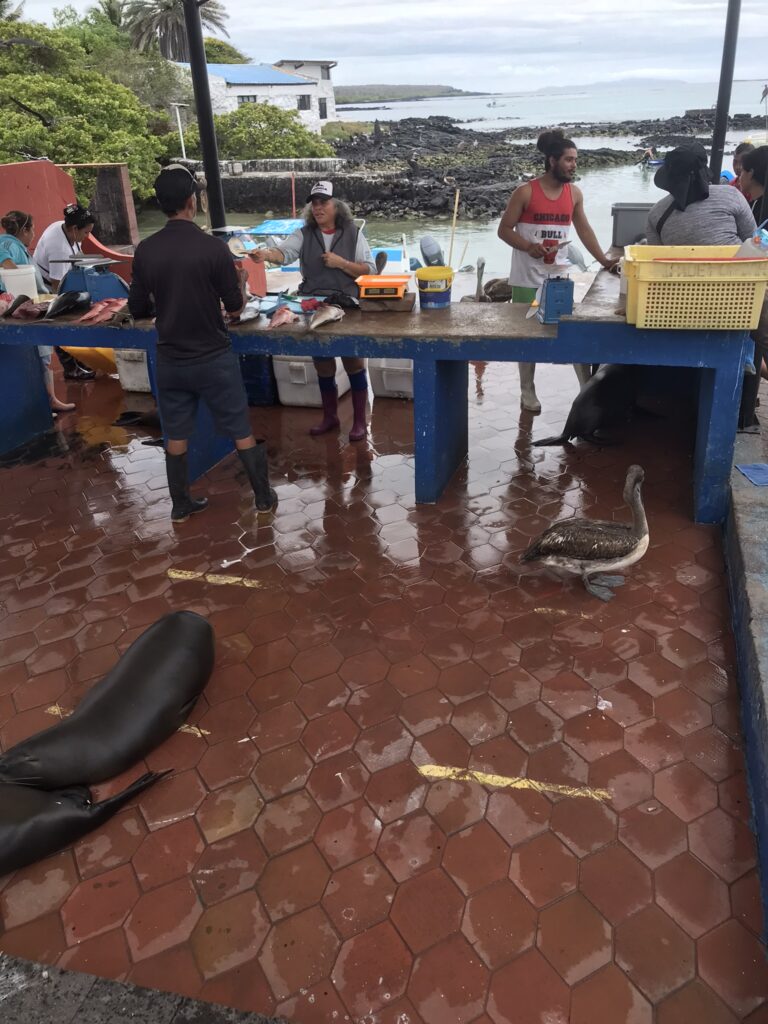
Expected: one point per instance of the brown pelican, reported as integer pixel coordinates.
(590, 548)
(479, 295)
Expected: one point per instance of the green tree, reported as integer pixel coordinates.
(160, 23)
(154, 80)
(112, 10)
(255, 131)
(219, 52)
(9, 11)
(53, 105)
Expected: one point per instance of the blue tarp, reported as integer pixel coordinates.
(277, 227)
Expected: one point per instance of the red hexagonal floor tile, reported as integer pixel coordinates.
(656, 954)
(574, 937)
(593, 735)
(609, 995)
(396, 791)
(616, 883)
(543, 869)
(348, 833)
(732, 962)
(372, 969)
(229, 934)
(448, 979)
(725, 844)
(476, 857)
(162, 918)
(292, 882)
(410, 846)
(298, 952)
(359, 896)
(229, 867)
(426, 909)
(692, 895)
(527, 991)
(500, 923)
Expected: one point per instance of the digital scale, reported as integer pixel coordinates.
(382, 286)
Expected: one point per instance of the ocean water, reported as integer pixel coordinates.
(614, 102)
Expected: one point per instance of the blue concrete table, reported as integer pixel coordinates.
(440, 343)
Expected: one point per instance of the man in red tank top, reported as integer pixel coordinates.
(536, 224)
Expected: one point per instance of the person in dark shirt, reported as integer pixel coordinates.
(182, 275)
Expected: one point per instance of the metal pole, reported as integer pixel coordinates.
(726, 83)
(181, 130)
(199, 69)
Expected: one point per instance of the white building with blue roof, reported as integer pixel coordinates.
(304, 86)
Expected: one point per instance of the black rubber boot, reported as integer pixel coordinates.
(178, 484)
(255, 462)
(73, 370)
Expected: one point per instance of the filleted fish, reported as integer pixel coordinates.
(325, 314)
(282, 316)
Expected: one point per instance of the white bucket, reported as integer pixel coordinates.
(20, 281)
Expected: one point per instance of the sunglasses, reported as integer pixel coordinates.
(320, 199)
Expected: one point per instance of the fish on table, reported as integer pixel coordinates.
(325, 314)
(102, 311)
(26, 309)
(282, 316)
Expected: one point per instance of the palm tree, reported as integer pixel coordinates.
(112, 10)
(161, 23)
(10, 13)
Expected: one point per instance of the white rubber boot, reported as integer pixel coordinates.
(583, 372)
(528, 399)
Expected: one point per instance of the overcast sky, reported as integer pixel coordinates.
(496, 45)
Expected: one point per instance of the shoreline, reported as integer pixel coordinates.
(411, 168)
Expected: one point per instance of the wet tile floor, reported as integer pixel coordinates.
(298, 862)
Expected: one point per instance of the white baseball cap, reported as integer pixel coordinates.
(322, 188)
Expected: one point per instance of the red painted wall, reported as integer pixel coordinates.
(37, 187)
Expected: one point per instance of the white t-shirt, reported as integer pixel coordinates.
(54, 245)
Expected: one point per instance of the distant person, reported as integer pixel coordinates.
(182, 275)
(537, 225)
(752, 179)
(696, 212)
(738, 157)
(332, 251)
(19, 228)
(648, 155)
(62, 240)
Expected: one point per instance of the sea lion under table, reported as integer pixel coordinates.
(35, 823)
(605, 400)
(140, 703)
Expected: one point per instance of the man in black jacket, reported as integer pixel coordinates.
(183, 275)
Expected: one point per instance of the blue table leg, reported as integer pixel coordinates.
(719, 398)
(206, 448)
(440, 423)
(25, 411)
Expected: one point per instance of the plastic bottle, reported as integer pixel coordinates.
(756, 246)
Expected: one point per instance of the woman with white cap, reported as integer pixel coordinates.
(332, 252)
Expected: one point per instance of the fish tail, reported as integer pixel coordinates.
(113, 804)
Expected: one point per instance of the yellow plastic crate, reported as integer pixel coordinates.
(693, 287)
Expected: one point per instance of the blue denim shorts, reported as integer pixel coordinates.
(218, 382)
